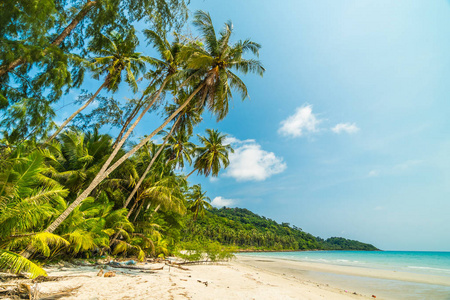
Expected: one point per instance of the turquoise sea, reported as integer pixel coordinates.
(424, 264)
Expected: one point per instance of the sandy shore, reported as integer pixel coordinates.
(230, 280)
(246, 277)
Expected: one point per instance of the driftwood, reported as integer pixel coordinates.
(178, 266)
(58, 295)
(25, 291)
(8, 277)
(194, 262)
(134, 268)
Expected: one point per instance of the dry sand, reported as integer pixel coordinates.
(230, 280)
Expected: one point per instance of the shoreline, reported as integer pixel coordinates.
(385, 284)
(222, 281)
(246, 277)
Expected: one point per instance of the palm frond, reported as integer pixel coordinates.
(16, 263)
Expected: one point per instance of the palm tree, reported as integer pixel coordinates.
(213, 155)
(198, 201)
(116, 55)
(215, 85)
(28, 200)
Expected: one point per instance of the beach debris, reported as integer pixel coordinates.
(110, 274)
(100, 273)
(176, 265)
(204, 282)
(25, 291)
(130, 263)
(373, 296)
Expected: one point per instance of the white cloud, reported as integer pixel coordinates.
(302, 121)
(232, 140)
(221, 202)
(374, 173)
(250, 162)
(345, 127)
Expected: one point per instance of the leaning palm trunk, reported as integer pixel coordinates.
(127, 123)
(105, 83)
(144, 175)
(21, 60)
(131, 117)
(150, 165)
(187, 176)
(105, 172)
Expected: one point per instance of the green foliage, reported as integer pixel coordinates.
(339, 243)
(15, 263)
(205, 250)
(246, 230)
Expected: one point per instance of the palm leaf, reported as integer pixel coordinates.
(15, 263)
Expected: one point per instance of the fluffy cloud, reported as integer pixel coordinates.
(303, 120)
(250, 162)
(221, 202)
(345, 127)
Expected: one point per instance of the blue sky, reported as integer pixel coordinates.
(380, 69)
(348, 132)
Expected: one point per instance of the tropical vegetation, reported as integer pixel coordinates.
(68, 189)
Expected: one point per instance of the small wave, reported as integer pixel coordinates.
(429, 268)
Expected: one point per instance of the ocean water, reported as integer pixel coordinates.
(433, 263)
(424, 264)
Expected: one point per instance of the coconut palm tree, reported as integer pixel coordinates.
(198, 201)
(211, 67)
(213, 155)
(116, 55)
(28, 200)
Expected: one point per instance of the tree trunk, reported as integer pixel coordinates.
(190, 174)
(77, 112)
(143, 177)
(83, 12)
(150, 165)
(104, 173)
(127, 122)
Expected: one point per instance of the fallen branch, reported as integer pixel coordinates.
(134, 268)
(175, 265)
(58, 295)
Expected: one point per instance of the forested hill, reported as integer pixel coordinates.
(247, 230)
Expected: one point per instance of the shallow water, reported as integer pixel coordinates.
(424, 264)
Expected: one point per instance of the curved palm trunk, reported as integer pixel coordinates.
(77, 112)
(131, 117)
(187, 176)
(143, 177)
(83, 12)
(150, 165)
(127, 123)
(104, 172)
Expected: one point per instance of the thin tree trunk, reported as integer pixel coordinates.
(137, 213)
(104, 173)
(154, 212)
(131, 210)
(131, 117)
(190, 174)
(143, 176)
(83, 12)
(127, 122)
(77, 112)
(150, 165)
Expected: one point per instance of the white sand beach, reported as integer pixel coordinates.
(228, 280)
(245, 277)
